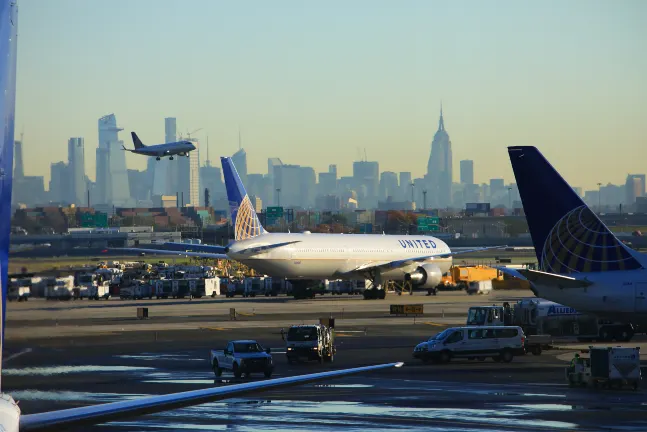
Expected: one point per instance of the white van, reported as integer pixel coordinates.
(501, 343)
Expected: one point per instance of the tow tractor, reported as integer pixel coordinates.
(606, 367)
(309, 342)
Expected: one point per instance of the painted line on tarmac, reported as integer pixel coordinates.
(435, 324)
(16, 355)
(213, 328)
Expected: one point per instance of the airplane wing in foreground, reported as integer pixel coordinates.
(95, 414)
(408, 261)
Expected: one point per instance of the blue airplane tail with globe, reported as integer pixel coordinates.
(567, 235)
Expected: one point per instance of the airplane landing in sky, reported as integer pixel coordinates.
(180, 148)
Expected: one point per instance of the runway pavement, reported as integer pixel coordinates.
(49, 367)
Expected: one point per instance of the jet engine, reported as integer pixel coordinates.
(182, 154)
(425, 276)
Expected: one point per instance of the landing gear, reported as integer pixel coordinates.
(170, 158)
(158, 158)
(377, 291)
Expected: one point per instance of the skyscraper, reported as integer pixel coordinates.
(240, 161)
(467, 172)
(389, 185)
(367, 180)
(59, 182)
(634, 188)
(439, 168)
(405, 186)
(19, 168)
(76, 163)
(112, 175)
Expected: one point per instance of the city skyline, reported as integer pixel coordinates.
(558, 76)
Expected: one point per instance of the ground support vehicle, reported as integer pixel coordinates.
(310, 342)
(242, 357)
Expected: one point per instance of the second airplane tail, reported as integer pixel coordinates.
(567, 235)
(243, 216)
(136, 141)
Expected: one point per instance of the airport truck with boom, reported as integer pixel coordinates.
(242, 357)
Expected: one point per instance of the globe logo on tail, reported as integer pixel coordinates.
(247, 224)
(580, 242)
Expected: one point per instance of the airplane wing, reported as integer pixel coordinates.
(195, 247)
(547, 279)
(88, 415)
(176, 252)
(411, 260)
(260, 249)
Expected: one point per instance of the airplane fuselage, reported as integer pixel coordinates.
(170, 149)
(335, 256)
(615, 295)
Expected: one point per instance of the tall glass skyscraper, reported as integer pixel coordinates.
(76, 163)
(112, 175)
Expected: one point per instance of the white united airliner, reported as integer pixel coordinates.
(582, 264)
(306, 256)
(11, 418)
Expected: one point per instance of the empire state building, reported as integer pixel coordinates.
(439, 169)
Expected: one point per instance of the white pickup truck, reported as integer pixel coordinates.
(242, 357)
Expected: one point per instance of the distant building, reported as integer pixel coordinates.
(76, 163)
(467, 172)
(389, 186)
(19, 169)
(366, 175)
(240, 161)
(211, 178)
(405, 186)
(59, 182)
(634, 188)
(112, 175)
(439, 168)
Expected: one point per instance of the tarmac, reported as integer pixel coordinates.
(66, 354)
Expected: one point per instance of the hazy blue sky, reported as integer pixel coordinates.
(314, 82)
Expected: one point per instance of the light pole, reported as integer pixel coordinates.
(599, 198)
(510, 199)
(424, 199)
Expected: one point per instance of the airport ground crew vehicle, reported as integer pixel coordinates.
(539, 317)
(242, 357)
(310, 342)
(605, 367)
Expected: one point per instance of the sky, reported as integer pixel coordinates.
(316, 83)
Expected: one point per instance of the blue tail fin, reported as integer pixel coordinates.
(8, 43)
(136, 141)
(568, 237)
(243, 215)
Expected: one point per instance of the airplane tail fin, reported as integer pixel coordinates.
(8, 42)
(243, 216)
(567, 235)
(136, 141)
